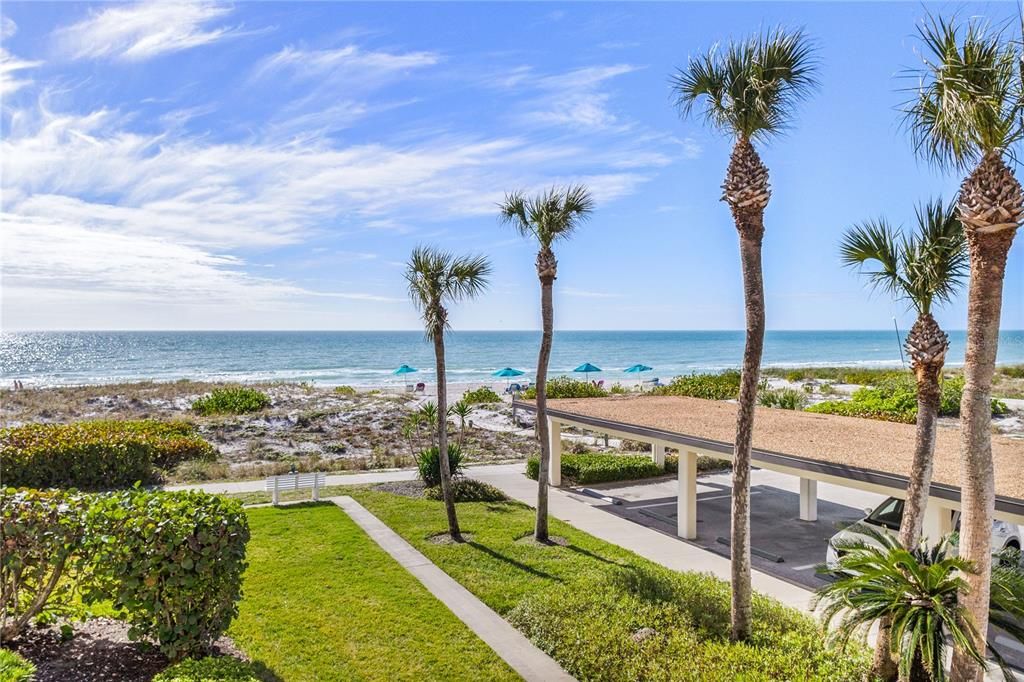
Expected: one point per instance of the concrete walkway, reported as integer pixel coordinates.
(526, 659)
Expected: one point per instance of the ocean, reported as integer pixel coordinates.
(369, 358)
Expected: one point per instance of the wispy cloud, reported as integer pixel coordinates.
(350, 59)
(9, 64)
(574, 98)
(584, 293)
(142, 31)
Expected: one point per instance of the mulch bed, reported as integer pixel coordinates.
(414, 489)
(99, 650)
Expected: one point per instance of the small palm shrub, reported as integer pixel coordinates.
(231, 400)
(782, 398)
(481, 396)
(468, 490)
(210, 669)
(15, 668)
(96, 455)
(429, 464)
(722, 386)
(567, 387)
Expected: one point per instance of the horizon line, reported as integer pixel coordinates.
(451, 331)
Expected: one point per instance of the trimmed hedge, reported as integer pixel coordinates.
(600, 468)
(170, 562)
(210, 669)
(704, 464)
(15, 668)
(231, 400)
(96, 455)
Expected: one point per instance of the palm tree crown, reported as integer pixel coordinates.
(750, 88)
(924, 268)
(437, 278)
(970, 98)
(549, 216)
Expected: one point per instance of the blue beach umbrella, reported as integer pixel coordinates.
(637, 368)
(405, 369)
(587, 368)
(508, 372)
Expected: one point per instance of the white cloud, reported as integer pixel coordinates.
(138, 32)
(9, 64)
(350, 60)
(573, 99)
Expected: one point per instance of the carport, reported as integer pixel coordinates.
(863, 454)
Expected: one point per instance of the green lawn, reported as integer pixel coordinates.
(605, 613)
(323, 602)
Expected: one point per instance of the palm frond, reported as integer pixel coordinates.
(549, 216)
(969, 99)
(749, 88)
(437, 278)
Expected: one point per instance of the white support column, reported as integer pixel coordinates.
(658, 453)
(808, 499)
(686, 504)
(555, 439)
(938, 521)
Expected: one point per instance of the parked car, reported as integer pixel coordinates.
(888, 516)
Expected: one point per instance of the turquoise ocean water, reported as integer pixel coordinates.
(368, 358)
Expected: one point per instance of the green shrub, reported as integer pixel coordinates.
(429, 464)
(722, 386)
(1012, 371)
(567, 387)
(172, 562)
(648, 624)
(15, 668)
(782, 398)
(468, 490)
(231, 400)
(864, 376)
(895, 399)
(618, 389)
(600, 468)
(42, 532)
(481, 396)
(704, 464)
(346, 391)
(209, 669)
(93, 455)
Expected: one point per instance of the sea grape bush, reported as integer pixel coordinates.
(95, 455)
(722, 386)
(567, 387)
(170, 562)
(481, 396)
(42, 533)
(175, 565)
(231, 400)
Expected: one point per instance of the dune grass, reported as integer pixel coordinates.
(605, 613)
(323, 602)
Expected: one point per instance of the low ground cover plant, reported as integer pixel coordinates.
(599, 468)
(169, 563)
(14, 667)
(210, 669)
(481, 396)
(567, 387)
(606, 614)
(96, 455)
(864, 376)
(895, 399)
(722, 386)
(231, 400)
(346, 391)
(782, 398)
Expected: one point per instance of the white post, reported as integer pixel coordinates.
(808, 499)
(316, 487)
(686, 504)
(276, 496)
(555, 440)
(938, 521)
(658, 453)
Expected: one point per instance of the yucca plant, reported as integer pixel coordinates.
(917, 589)
(748, 90)
(462, 410)
(437, 279)
(546, 218)
(968, 114)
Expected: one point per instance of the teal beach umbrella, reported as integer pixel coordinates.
(508, 372)
(405, 369)
(587, 368)
(637, 368)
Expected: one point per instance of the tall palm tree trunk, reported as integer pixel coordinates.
(546, 270)
(746, 191)
(442, 437)
(977, 478)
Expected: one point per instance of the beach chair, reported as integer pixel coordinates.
(600, 384)
(421, 387)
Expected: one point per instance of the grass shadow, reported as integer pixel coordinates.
(597, 557)
(512, 562)
(265, 672)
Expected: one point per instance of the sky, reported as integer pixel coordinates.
(272, 165)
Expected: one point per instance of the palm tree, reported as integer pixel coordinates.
(924, 268)
(546, 218)
(437, 279)
(967, 114)
(749, 91)
(919, 590)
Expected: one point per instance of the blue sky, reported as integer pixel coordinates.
(270, 166)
